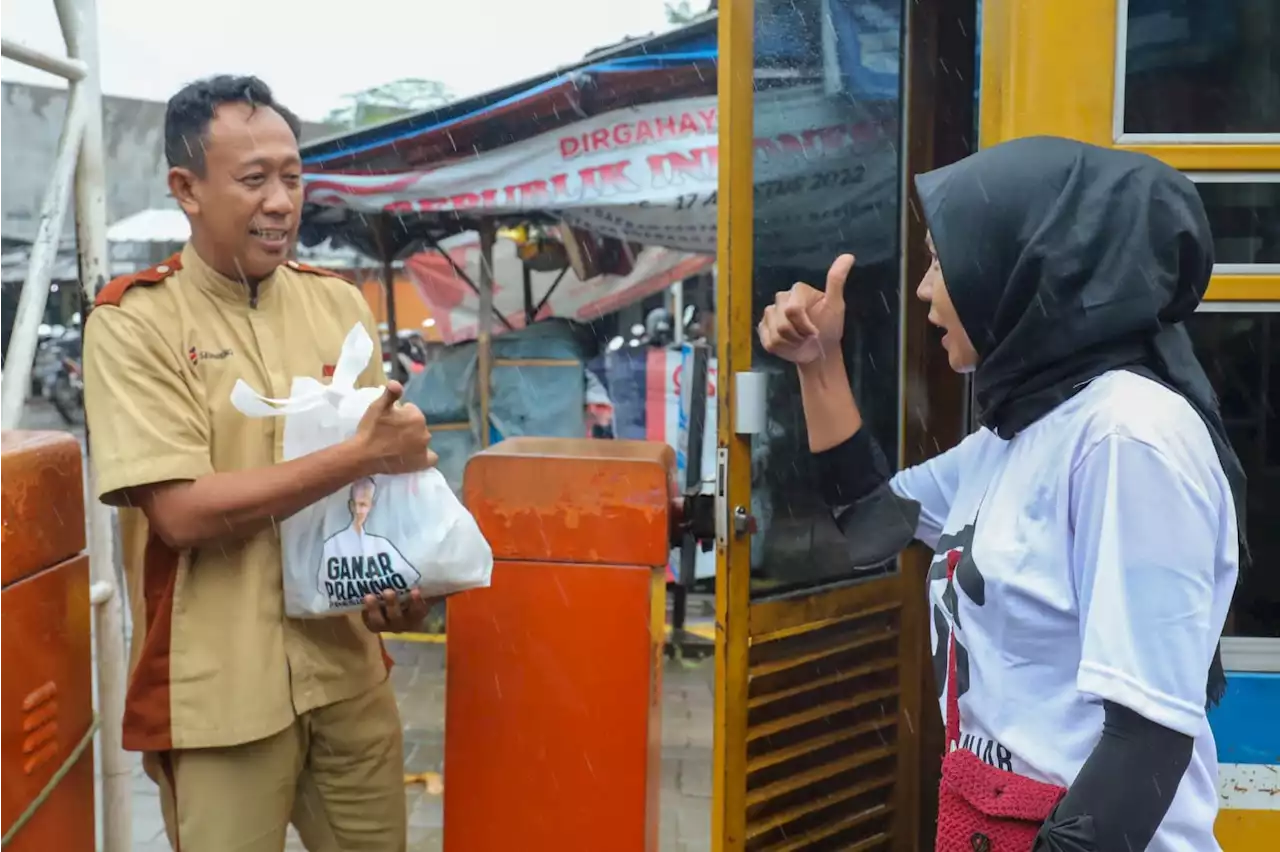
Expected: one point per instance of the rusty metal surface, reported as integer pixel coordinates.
(41, 502)
(575, 500)
(554, 709)
(47, 705)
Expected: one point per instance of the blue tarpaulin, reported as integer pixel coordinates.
(537, 387)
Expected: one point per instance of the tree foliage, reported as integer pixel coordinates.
(388, 101)
(680, 13)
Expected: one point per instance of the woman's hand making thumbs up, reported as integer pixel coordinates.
(804, 324)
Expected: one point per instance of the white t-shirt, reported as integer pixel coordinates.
(1104, 560)
(355, 563)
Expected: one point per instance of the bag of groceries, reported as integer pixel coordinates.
(399, 532)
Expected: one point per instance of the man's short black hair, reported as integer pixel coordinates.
(188, 113)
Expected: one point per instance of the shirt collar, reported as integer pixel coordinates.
(208, 278)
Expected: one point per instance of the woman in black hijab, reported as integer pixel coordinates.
(1087, 538)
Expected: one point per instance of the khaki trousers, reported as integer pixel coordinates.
(337, 774)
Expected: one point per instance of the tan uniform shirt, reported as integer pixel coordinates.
(214, 660)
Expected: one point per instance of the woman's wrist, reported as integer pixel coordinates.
(824, 371)
(831, 414)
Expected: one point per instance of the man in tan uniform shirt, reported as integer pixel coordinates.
(247, 719)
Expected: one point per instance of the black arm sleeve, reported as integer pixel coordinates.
(850, 471)
(1123, 790)
(854, 478)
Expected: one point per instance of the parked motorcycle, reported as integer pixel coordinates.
(49, 350)
(66, 391)
(411, 353)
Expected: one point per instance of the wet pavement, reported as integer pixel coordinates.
(685, 811)
(418, 677)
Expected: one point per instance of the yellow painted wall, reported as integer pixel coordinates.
(1048, 67)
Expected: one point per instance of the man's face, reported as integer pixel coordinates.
(246, 207)
(361, 504)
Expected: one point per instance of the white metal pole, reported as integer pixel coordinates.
(79, 20)
(44, 254)
(68, 69)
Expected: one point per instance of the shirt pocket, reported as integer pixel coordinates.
(236, 442)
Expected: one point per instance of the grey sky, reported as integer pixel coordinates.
(311, 57)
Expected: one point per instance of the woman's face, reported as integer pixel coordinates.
(961, 355)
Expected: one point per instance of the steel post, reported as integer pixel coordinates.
(79, 21)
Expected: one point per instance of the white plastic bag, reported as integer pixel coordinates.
(386, 532)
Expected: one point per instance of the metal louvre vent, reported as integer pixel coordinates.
(822, 734)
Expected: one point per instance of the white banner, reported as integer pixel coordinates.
(670, 423)
(826, 178)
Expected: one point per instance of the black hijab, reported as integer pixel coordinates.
(1065, 261)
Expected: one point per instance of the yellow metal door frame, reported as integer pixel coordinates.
(734, 222)
(757, 638)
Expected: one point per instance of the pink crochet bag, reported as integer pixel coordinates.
(982, 808)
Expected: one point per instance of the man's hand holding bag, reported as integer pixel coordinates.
(395, 537)
(393, 436)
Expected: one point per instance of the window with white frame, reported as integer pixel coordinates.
(1198, 71)
(1244, 214)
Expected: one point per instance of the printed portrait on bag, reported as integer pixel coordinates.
(356, 562)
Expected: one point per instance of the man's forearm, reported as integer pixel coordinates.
(830, 412)
(229, 506)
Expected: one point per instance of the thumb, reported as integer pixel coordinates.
(836, 277)
(391, 394)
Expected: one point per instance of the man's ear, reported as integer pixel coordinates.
(182, 186)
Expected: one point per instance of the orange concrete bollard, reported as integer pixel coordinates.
(47, 684)
(554, 684)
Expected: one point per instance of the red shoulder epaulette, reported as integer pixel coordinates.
(115, 290)
(317, 270)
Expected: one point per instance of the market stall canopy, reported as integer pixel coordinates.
(163, 225)
(150, 235)
(634, 72)
(625, 145)
(455, 304)
(826, 180)
(674, 64)
(15, 265)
